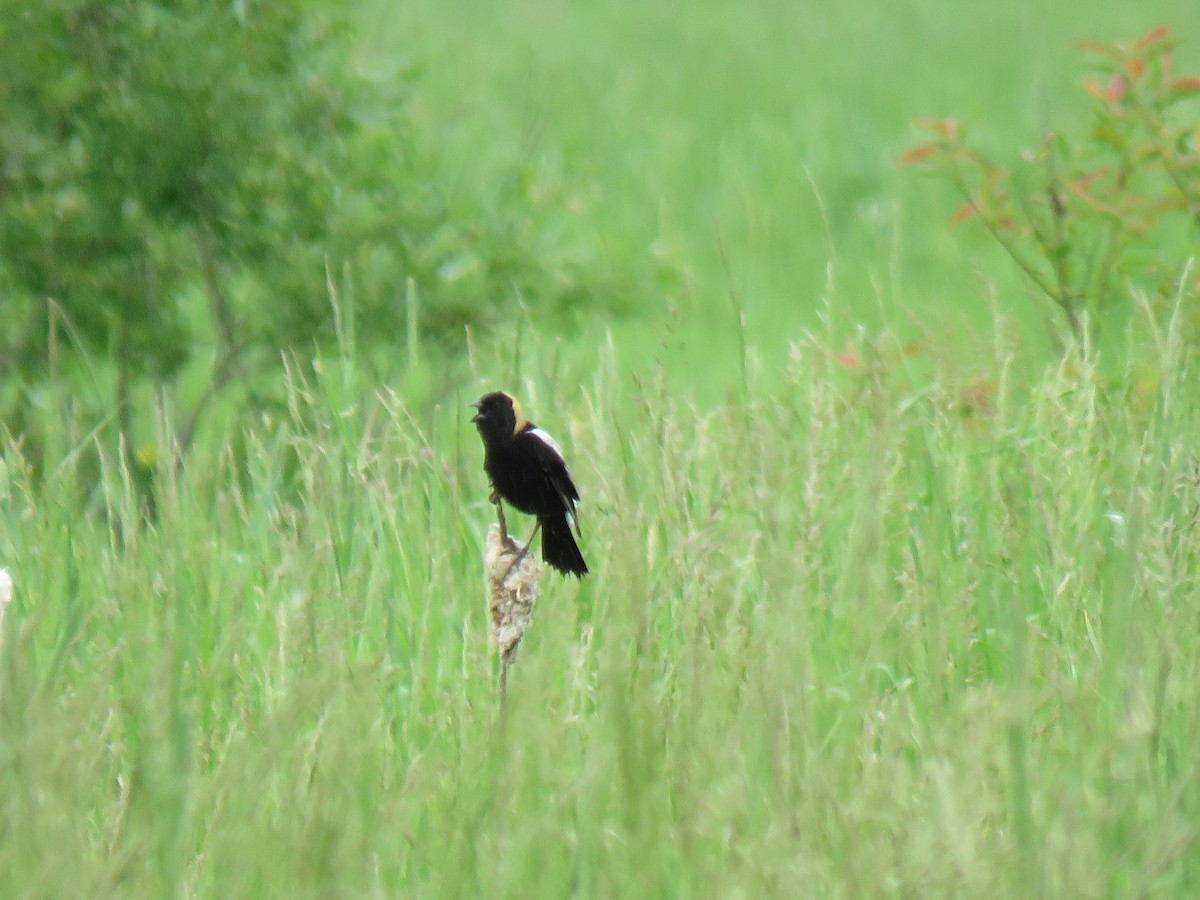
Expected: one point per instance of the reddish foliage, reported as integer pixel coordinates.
(918, 154)
(947, 128)
(978, 398)
(1154, 36)
(849, 357)
(1079, 215)
(964, 212)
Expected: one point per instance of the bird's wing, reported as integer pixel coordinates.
(550, 456)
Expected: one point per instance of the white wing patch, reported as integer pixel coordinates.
(548, 441)
(571, 516)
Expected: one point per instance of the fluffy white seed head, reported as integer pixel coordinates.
(514, 584)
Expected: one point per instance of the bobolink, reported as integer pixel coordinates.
(527, 469)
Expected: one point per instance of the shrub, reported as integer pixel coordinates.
(1094, 219)
(178, 179)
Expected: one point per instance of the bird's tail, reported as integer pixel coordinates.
(559, 548)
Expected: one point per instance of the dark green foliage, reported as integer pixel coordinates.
(178, 181)
(148, 148)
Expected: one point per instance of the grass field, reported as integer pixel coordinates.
(840, 641)
(890, 626)
(769, 129)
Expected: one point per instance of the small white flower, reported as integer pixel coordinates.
(6, 592)
(1118, 521)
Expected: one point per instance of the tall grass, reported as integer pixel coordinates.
(841, 640)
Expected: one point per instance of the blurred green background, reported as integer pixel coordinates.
(849, 632)
(767, 132)
(187, 185)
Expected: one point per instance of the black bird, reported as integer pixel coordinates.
(527, 469)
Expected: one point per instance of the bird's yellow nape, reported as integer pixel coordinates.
(518, 414)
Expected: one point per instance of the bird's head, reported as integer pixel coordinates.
(498, 415)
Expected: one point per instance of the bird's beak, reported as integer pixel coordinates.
(475, 406)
